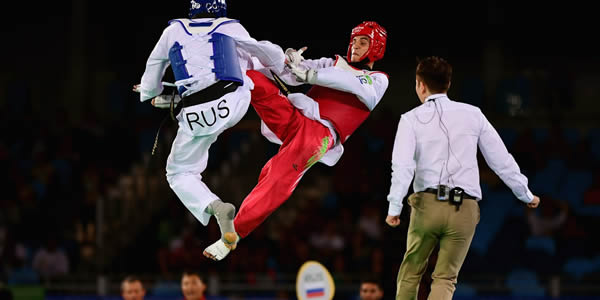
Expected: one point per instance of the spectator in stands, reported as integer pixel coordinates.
(523, 151)
(371, 289)
(548, 219)
(544, 228)
(132, 288)
(4, 245)
(592, 195)
(50, 261)
(556, 145)
(193, 285)
(184, 251)
(14, 266)
(370, 222)
(328, 240)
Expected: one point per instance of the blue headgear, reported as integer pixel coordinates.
(216, 7)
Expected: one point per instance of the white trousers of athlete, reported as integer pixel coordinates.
(199, 127)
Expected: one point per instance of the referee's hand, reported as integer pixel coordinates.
(534, 203)
(392, 220)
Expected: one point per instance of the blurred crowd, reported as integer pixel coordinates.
(85, 196)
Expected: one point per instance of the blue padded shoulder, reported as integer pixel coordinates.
(225, 57)
(178, 65)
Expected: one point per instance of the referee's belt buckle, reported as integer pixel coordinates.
(443, 193)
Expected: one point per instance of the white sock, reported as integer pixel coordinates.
(224, 213)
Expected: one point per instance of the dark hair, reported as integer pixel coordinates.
(435, 72)
(193, 273)
(372, 280)
(131, 279)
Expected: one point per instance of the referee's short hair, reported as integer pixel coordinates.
(436, 72)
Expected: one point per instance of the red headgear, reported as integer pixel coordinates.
(377, 36)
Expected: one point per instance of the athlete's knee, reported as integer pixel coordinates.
(263, 86)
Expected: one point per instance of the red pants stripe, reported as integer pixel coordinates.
(305, 141)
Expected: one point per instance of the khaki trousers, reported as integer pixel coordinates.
(433, 221)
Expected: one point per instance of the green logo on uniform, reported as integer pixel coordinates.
(319, 153)
(365, 79)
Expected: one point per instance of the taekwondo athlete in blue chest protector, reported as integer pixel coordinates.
(209, 55)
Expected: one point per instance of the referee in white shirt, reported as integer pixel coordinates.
(436, 143)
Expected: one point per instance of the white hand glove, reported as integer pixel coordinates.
(160, 101)
(293, 57)
(136, 88)
(309, 76)
(164, 101)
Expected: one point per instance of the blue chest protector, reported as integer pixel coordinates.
(225, 57)
(227, 64)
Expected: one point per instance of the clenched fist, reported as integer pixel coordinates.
(392, 220)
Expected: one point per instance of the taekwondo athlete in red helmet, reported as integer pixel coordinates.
(310, 127)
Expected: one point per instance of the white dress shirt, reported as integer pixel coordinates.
(436, 143)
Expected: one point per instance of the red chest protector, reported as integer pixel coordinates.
(342, 109)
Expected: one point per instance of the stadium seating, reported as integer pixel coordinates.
(571, 135)
(493, 209)
(594, 138)
(508, 135)
(524, 283)
(572, 188)
(465, 290)
(578, 267)
(547, 181)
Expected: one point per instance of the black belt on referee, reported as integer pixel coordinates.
(435, 192)
(211, 93)
(454, 196)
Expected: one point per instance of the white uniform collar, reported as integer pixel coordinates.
(436, 96)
